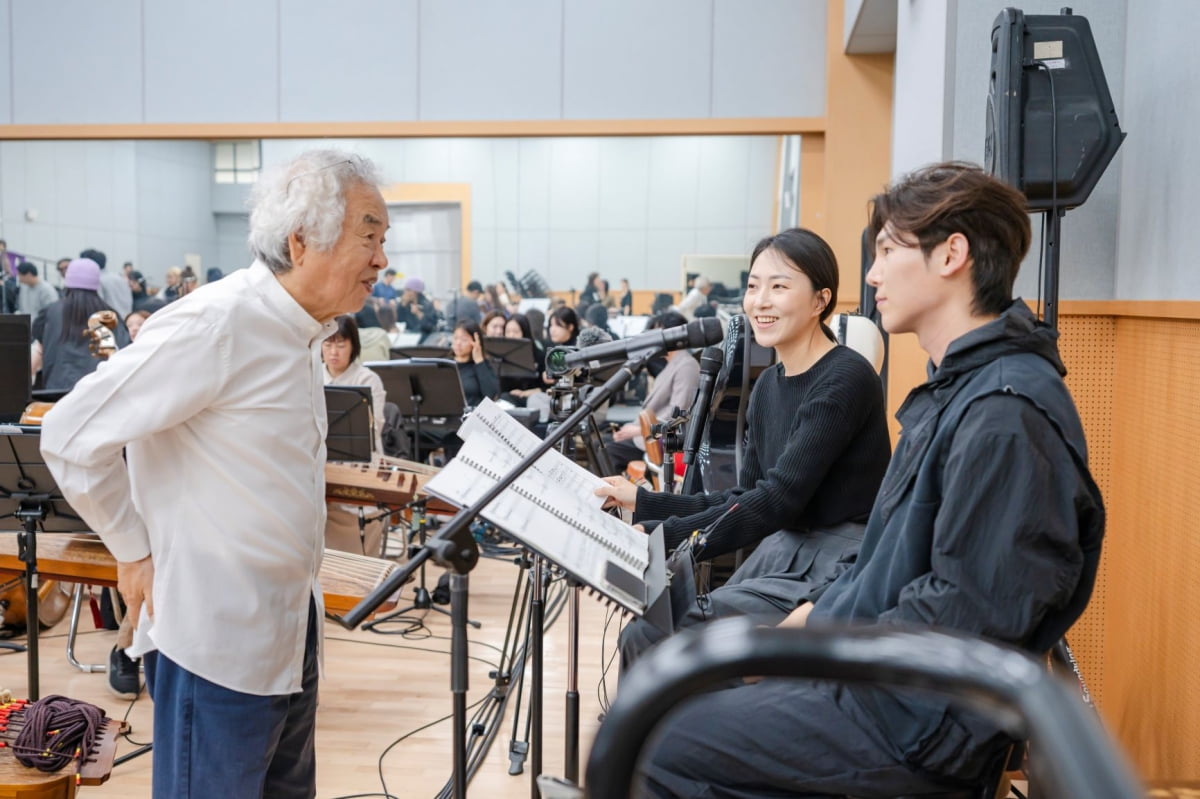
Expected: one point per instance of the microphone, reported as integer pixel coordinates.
(590, 336)
(700, 333)
(711, 361)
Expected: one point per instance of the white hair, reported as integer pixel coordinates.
(305, 195)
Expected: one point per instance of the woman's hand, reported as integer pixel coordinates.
(476, 349)
(619, 492)
(627, 432)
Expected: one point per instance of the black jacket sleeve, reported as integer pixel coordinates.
(1006, 544)
(776, 498)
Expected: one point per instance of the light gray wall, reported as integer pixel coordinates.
(1089, 234)
(174, 207)
(146, 202)
(1160, 165)
(231, 230)
(5, 66)
(923, 111)
(625, 207)
(303, 60)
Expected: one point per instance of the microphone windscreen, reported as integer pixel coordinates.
(703, 332)
(592, 335)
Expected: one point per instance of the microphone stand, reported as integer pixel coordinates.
(455, 548)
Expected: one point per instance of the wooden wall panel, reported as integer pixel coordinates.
(1087, 344)
(1152, 642)
(1136, 381)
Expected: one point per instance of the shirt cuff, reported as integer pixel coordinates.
(129, 545)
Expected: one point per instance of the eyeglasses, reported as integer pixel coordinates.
(312, 172)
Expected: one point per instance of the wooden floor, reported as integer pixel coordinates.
(377, 688)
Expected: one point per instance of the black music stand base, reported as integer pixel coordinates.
(455, 547)
(30, 513)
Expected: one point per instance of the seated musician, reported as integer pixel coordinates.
(674, 387)
(493, 324)
(988, 522)
(816, 450)
(343, 367)
(478, 378)
(216, 518)
(518, 390)
(59, 328)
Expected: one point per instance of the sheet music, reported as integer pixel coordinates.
(488, 416)
(550, 508)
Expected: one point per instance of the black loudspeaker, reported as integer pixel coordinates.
(1051, 126)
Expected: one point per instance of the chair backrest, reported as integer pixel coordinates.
(861, 335)
(1013, 689)
(719, 459)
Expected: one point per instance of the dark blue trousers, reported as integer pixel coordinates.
(211, 741)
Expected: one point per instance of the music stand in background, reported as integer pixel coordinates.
(351, 428)
(428, 388)
(419, 352)
(15, 339)
(423, 389)
(514, 357)
(30, 502)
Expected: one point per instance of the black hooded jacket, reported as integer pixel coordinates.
(988, 522)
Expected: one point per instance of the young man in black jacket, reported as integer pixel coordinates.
(988, 522)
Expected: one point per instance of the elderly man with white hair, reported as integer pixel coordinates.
(695, 298)
(217, 511)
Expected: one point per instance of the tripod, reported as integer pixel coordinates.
(455, 547)
(565, 398)
(418, 525)
(29, 496)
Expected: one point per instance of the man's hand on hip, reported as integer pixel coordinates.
(135, 581)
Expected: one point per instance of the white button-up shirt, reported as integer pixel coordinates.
(220, 408)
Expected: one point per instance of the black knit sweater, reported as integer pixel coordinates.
(816, 451)
(478, 381)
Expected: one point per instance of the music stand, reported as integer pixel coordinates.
(351, 430)
(30, 502)
(15, 339)
(418, 352)
(429, 387)
(423, 388)
(514, 357)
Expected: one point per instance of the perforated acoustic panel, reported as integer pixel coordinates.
(1087, 345)
(1152, 640)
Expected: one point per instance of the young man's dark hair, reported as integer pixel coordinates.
(475, 285)
(100, 258)
(932, 203)
(26, 268)
(987, 523)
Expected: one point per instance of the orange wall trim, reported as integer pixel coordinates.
(1145, 309)
(369, 130)
(858, 135)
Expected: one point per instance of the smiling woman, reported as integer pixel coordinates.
(817, 447)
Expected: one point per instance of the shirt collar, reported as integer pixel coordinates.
(263, 281)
